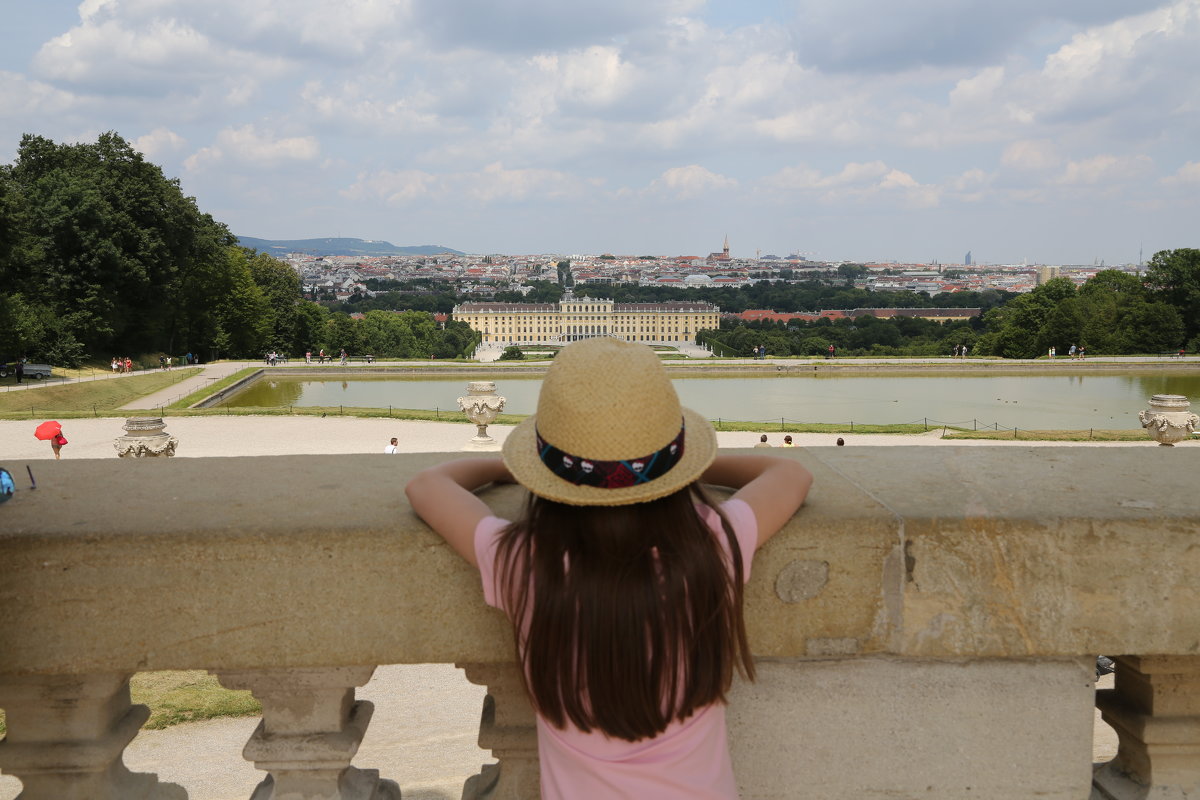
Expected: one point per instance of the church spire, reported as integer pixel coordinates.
(726, 250)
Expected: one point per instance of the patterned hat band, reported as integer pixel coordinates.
(610, 474)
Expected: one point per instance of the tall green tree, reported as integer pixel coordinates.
(104, 241)
(1173, 277)
(280, 285)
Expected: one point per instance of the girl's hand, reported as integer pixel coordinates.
(444, 496)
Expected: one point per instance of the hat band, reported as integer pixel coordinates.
(610, 474)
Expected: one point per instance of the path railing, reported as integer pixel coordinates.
(926, 627)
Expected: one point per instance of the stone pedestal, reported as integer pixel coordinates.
(66, 735)
(508, 728)
(481, 405)
(1155, 709)
(145, 438)
(1169, 419)
(310, 730)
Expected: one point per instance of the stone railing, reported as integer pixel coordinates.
(926, 627)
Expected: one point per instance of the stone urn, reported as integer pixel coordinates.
(1168, 419)
(145, 438)
(481, 405)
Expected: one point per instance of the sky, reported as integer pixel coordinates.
(1046, 131)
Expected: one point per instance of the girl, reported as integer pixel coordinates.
(623, 580)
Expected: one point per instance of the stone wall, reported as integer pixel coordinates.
(925, 627)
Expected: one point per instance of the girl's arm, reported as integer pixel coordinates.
(773, 487)
(444, 497)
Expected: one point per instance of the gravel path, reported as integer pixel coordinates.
(275, 436)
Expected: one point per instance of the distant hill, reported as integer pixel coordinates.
(341, 247)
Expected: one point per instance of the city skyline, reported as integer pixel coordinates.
(1053, 132)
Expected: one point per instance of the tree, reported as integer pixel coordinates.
(244, 319)
(1174, 277)
(104, 241)
(280, 285)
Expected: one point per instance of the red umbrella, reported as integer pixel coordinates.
(48, 430)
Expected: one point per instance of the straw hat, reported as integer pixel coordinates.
(609, 430)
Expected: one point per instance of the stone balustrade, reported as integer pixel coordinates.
(926, 627)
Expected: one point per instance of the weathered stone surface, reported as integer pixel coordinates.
(259, 562)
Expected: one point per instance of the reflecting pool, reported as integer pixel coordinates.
(1006, 399)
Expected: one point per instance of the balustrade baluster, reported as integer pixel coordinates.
(1155, 710)
(66, 735)
(310, 730)
(508, 728)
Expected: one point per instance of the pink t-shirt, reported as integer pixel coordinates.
(687, 761)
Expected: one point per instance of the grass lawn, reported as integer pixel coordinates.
(87, 398)
(1054, 435)
(176, 697)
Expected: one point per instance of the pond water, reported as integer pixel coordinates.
(1008, 400)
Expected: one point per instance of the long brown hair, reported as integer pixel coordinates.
(627, 618)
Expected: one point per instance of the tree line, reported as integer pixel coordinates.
(1113, 313)
(101, 253)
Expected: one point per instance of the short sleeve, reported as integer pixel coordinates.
(487, 538)
(745, 529)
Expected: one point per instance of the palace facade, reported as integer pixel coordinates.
(575, 318)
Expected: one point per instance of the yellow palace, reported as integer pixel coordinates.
(575, 318)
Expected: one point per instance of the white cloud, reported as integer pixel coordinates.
(158, 143)
(494, 184)
(690, 182)
(246, 146)
(1187, 175)
(1031, 154)
(1104, 170)
(26, 98)
(856, 182)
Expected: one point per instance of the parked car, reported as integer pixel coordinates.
(37, 371)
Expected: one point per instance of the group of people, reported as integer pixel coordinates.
(762, 441)
(122, 364)
(787, 441)
(322, 357)
(1074, 352)
(960, 351)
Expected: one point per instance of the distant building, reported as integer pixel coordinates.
(935, 314)
(967, 259)
(575, 318)
(721, 257)
(1046, 273)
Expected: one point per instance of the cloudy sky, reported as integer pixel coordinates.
(1057, 131)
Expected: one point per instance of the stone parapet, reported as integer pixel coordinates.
(961, 588)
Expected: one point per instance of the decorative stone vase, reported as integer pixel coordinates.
(481, 405)
(145, 438)
(1168, 420)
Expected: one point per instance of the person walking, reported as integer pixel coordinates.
(56, 444)
(620, 558)
(20, 369)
